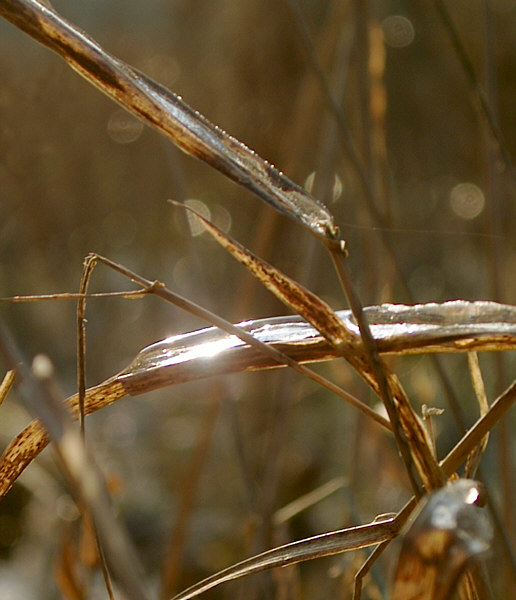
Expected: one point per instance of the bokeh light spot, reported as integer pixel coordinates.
(309, 182)
(66, 508)
(161, 67)
(123, 128)
(337, 188)
(398, 31)
(467, 200)
(221, 217)
(200, 207)
(182, 273)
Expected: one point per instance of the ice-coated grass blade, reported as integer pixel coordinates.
(449, 532)
(168, 113)
(456, 326)
(409, 433)
(465, 325)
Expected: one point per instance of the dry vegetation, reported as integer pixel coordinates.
(198, 471)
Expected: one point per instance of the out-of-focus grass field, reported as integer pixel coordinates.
(77, 174)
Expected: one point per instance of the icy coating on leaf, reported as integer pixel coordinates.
(399, 329)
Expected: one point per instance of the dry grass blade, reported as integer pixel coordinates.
(180, 358)
(7, 384)
(33, 438)
(301, 300)
(165, 111)
(410, 435)
(327, 544)
(73, 296)
(481, 428)
(414, 446)
(366, 567)
(81, 472)
(287, 512)
(480, 392)
(470, 534)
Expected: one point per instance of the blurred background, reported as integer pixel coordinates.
(413, 171)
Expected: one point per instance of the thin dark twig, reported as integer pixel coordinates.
(159, 289)
(369, 193)
(73, 296)
(103, 565)
(495, 251)
(480, 94)
(89, 265)
(366, 567)
(339, 260)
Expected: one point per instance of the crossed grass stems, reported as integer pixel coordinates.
(198, 137)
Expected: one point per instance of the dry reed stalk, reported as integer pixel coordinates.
(198, 137)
